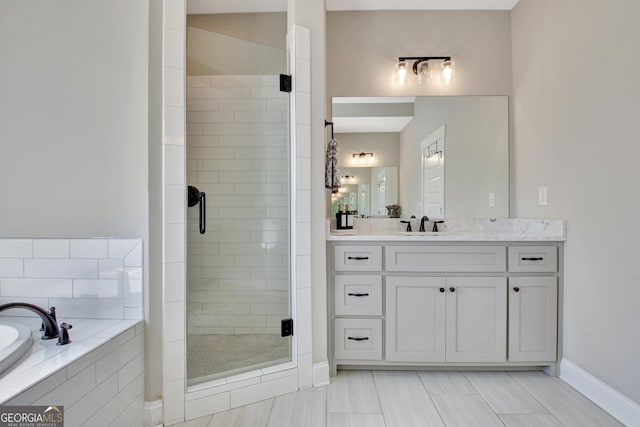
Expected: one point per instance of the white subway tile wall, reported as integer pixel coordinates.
(105, 387)
(237, 153)
(92, 278)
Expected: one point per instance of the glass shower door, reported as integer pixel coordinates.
(238, 271)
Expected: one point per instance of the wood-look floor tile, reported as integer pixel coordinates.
(565, 403)
(465, 410)
(254, 415)
(354, 392)
(440, 382)
(530, 420)
(503, 394)
(355, 420)
(304, 408)
(405, 402)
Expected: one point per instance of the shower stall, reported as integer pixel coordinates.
(238, 288)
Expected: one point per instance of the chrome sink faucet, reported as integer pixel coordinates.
(422, 221)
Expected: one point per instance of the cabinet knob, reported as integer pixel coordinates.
(516, 289)
(452, 289)
(441, 289)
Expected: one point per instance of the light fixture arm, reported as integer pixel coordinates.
(419, 59)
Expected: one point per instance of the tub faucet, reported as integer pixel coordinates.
(50, 324)
(422, 221)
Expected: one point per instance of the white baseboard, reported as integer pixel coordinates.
(153, 413)
(321, 374)
(615, 403)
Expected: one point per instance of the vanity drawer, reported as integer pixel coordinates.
(358, 295)
(446, 258)
(358, 339)
(532, 259)
(358, 258)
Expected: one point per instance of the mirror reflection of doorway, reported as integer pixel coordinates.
(433, 174)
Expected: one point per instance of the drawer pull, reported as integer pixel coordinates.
(516, 289)
(358, 258)
(536, 258)
(357, 295)
(441, 289)
(452, 289)
(358, 338)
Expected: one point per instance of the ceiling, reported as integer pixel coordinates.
(244, 6)
(371, 114)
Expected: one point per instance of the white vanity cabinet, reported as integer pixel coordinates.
(446, 319)
(451, 303)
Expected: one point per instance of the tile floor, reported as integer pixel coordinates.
(423, 398)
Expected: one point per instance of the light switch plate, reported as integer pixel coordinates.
(542, 196)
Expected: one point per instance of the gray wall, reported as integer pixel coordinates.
(363, 47)
(73, 118)
(577, 98)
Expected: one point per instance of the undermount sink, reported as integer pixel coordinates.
(423, 233)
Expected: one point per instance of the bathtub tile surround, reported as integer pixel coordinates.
(82, 278)
(99, 378)
(96, 286)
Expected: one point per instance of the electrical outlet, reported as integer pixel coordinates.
(492, 200)
(542, 196)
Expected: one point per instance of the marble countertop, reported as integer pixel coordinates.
(45, 357)
(453, 230)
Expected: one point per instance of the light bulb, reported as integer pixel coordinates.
(401, 72)
(447, 72)
(424, 72)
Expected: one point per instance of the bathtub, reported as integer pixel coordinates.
(15, 341)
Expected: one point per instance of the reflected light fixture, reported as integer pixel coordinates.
(424, 69)
(362, 156)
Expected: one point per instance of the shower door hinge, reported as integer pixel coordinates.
(285, 83)
(286, 327)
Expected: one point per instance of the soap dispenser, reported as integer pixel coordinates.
(341, 219)
(349, 218)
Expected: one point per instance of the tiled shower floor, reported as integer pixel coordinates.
(210, 356)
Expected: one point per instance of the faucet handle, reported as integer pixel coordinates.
(408, 225)
(63, 339)
(435, 225)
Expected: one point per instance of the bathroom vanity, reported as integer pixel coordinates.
(481, 294)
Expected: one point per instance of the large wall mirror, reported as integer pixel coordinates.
(408, 150)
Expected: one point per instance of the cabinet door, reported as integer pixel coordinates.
(476, 319)
(533, 311)
(415, 319)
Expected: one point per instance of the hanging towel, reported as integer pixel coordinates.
(332, 173)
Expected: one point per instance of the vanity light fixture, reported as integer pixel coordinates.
(362, 156)
(423, 68)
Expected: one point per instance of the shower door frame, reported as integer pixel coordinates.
(179, 402)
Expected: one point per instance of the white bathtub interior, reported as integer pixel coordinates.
(15, 341)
